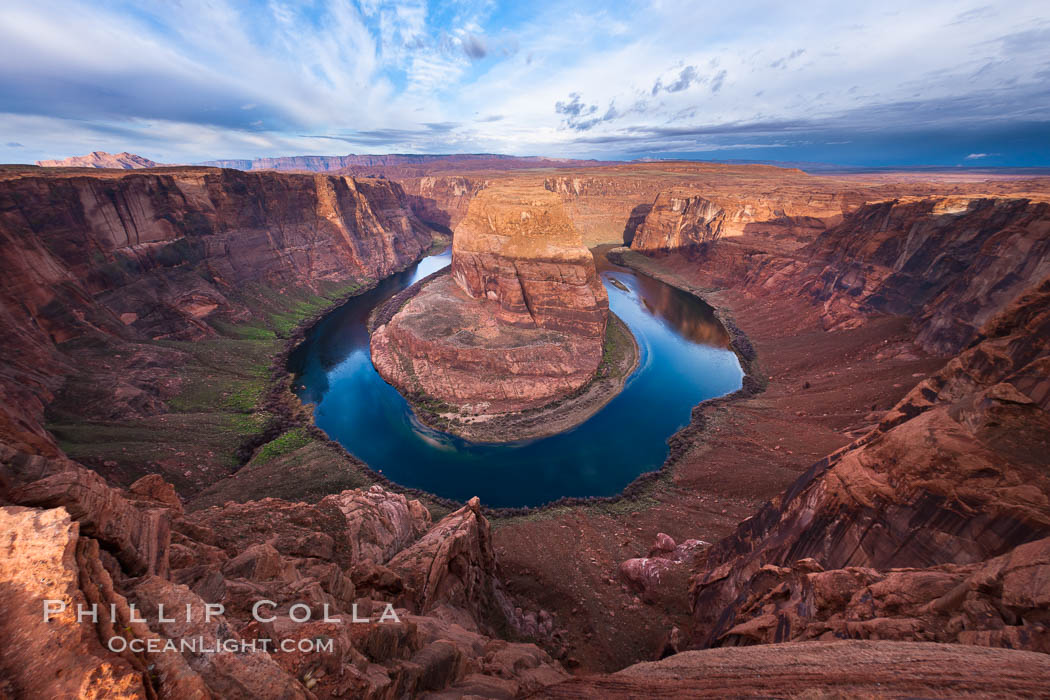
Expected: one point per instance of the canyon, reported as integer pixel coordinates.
(875, 495)
(518, 323)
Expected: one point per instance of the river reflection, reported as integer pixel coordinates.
(684, 360)
(690, 317)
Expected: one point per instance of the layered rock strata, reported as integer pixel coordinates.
(519, 322)
(679, 220)
(139, 257)
(955, 474)
(440, 583)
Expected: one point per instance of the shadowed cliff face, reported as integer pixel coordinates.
(160, 255)
(952, 262)
(955, 474)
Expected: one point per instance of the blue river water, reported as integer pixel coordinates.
(684, 360)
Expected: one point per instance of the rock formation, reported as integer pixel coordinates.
(853, 669)
(285, 553)
(101, 159)
(518, 323)
(518, 248)
(123, 293)
(679, 220)
(953, 475)
(950, 263)
(147, 256)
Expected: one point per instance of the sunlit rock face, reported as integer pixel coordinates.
(679, 219)
(518, 323)
(518, 248)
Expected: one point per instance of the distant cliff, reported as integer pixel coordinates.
(101, 159)
(951, 263)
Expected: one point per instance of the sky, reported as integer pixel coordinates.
(894, 82)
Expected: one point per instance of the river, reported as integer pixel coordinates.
(685, 359)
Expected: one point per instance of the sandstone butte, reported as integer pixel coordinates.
(518, 323)
(869, 516)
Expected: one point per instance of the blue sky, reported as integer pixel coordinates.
(887, 83)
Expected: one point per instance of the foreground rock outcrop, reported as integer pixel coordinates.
(824, 669)
(518, 323)
(420, 624)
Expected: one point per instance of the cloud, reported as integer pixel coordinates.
(685, 78)
(14, 144)
(474, 47)
(718, 80)
(978, 156)
(578, 115)
(783, 61)
(204, 79)
(573, 107)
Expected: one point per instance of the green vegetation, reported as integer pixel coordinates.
(208, 410)
(282, 445)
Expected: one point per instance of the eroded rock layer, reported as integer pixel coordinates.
(679, 220)
(519, 322)
(518, 248)
(84, 545)
(446, 345)
(160, 255)
(953, 476)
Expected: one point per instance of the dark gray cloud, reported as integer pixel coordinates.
(963, 128)
(474, 46)
(583, 117)
(85, 94)
(687, 77)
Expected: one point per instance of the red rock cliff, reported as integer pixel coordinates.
(679, 219)
(153, 255)
(517, 247)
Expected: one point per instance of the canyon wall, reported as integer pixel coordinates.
(160, 255)
(397, 165)
(679, 219)
(754, 199)
(442, 200)
(518, 248)
(932, 526)
(951, 263)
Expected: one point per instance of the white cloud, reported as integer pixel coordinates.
(203, 79)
